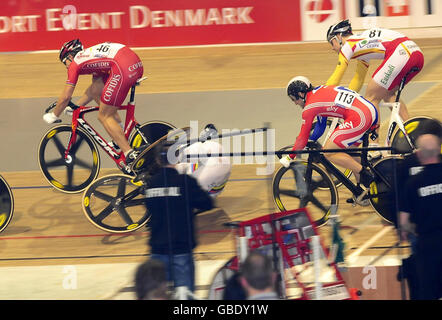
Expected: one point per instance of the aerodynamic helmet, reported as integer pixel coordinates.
(297, 85)
(342, 27)
(70, 47)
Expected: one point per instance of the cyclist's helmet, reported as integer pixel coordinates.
(297, 85)
(343, 27)
(209, 132)
(70, 47)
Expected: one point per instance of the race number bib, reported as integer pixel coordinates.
(345, 97)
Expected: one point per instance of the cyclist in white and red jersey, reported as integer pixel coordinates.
(115, 69)
(399, 55)
(358, 114)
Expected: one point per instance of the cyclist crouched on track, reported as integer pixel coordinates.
(359, 116)
(115, 69)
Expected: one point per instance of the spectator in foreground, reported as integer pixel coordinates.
(150, 281)
(258, 278)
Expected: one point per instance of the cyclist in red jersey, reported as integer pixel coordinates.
(115, 69)
(358, 114)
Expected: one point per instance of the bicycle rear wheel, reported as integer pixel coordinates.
(382, 195)
(74, 173)
(414, 127)
(115, 203)
(152, 131)
(6, 204)
(319, 197)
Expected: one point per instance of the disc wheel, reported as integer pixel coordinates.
(6, 204)
(382, 196)
(414, 127)
(75, 172)
(115, 203)
(152, 131)
(312, 188)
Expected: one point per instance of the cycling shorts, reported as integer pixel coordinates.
(358, 120)
(400, 57)
(124, 73)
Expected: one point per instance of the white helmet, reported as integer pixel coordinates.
(297, 85)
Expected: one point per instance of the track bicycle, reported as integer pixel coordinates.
(6, 204)
(115, 203)
(68, 154)
(312, 183)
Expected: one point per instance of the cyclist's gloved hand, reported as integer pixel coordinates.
(286, 160)
(50, 117)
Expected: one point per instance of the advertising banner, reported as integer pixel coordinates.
(28, 25)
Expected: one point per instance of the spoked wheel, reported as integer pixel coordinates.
(75, 172)
(115, 203)
(414, 127)
(152, 131)
(6, 204)
(299, 186)
(382, 196)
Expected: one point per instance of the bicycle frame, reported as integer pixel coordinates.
(331, 168)
(130, 124)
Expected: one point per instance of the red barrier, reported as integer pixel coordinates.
(45, 25)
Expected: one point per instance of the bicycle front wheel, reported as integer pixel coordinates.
(151, 131)
(415, 127)
(75, 172)
(115, 203)
(6, 204)
(313, 189)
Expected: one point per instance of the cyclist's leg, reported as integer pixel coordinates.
(107, 116)
(358, 120)
(342, 159)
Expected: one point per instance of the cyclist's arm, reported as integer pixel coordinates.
(302, 139)
(340, 69)
(93, 92)
(319, 129)
(64, 99)
(358, 79)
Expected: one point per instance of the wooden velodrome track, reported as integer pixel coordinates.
(49, 227)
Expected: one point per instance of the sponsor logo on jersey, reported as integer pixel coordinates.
(387, 74)
(101, 64)
(135, 66)
(332, 109)
(346, 125)
(113, 83)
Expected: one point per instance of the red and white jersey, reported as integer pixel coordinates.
(331, 101)
(372, 44)
(97, 60)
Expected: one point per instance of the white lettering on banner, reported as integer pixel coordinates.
(18, 23)
(81, 21)
(142, 17)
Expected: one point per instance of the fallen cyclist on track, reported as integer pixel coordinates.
(115, 69)
(210, 172)
(358, 114)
